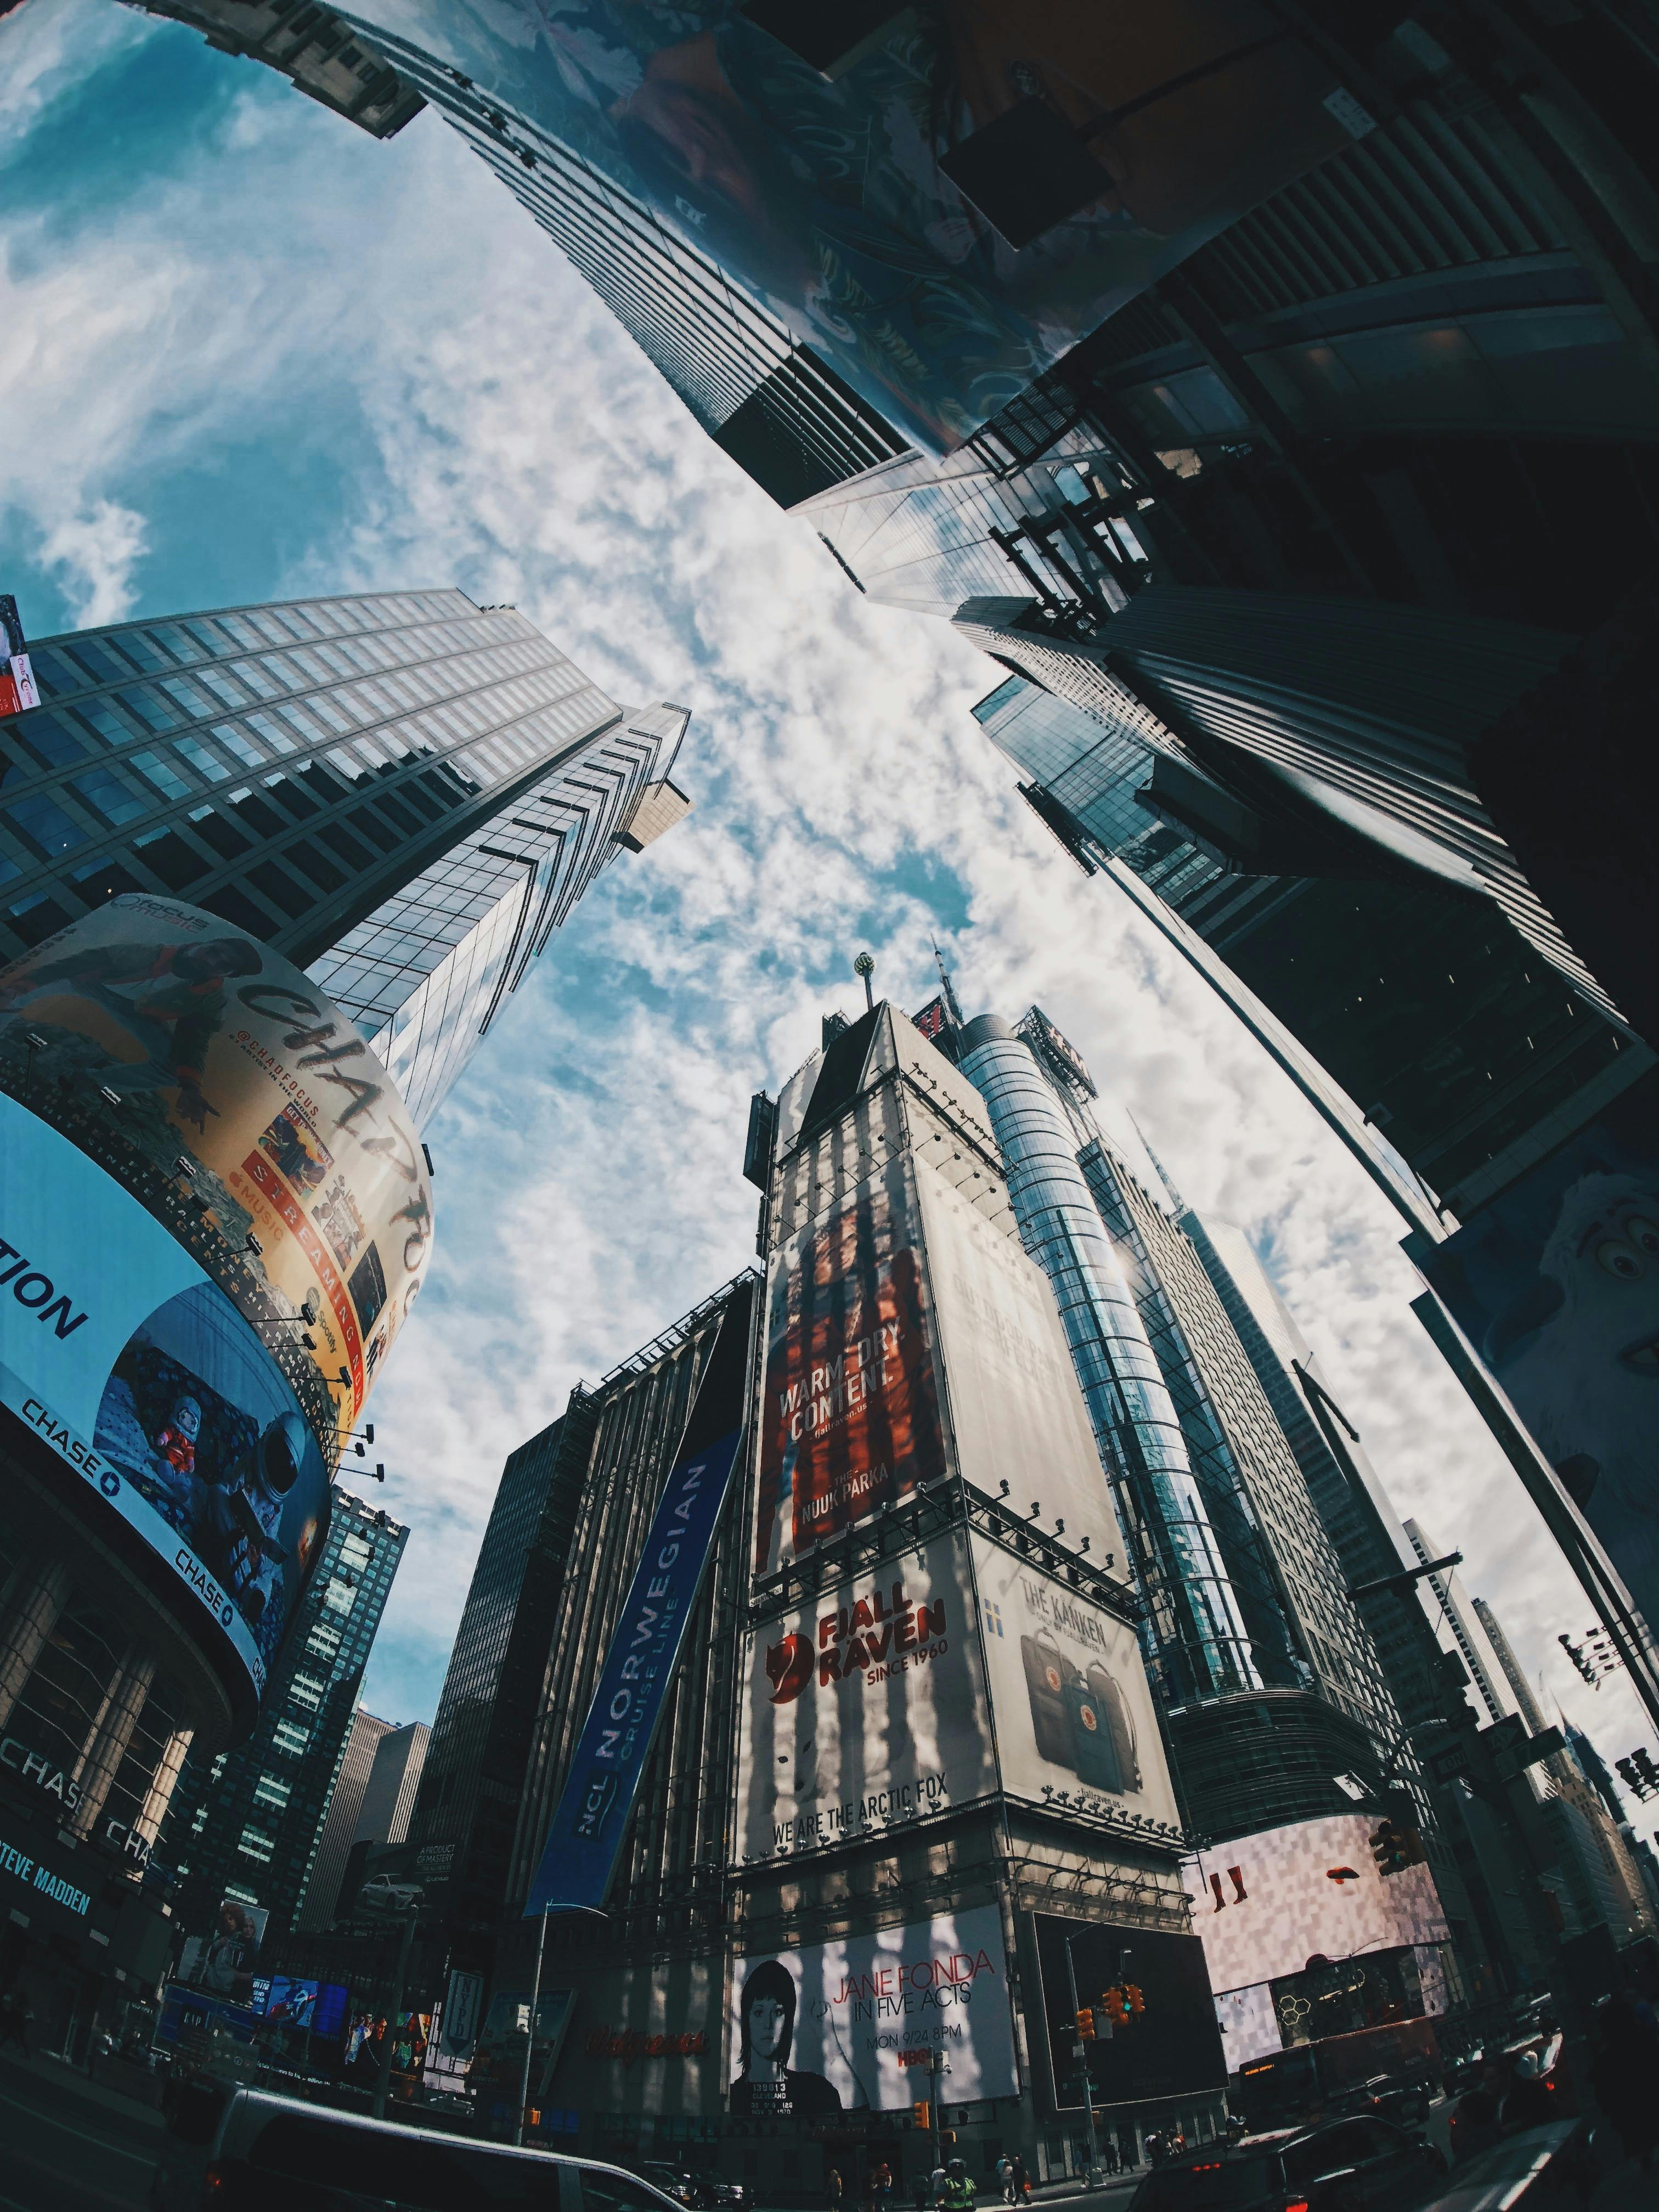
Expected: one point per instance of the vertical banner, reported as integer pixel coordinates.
(585, 1838)
(17, 686)
(850, 1411)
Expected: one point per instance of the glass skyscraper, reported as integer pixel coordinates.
(1423, 1017)
(247, 1824)
(1241, 1586)
(404, 793)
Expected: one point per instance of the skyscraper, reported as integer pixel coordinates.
(339, 1828)
(1420, 1014)
(473, 1781)
(404, 793)
(1469, 1078)
(534, 1634)
(1181, 375)
(1279, 1713)
(247, 1824)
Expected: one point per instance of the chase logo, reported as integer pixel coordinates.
(598, 1798)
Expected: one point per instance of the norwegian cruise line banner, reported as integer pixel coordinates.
(585, 1835)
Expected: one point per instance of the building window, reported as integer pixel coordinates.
(289, 1736)
(255, 1844)
(268, 1790)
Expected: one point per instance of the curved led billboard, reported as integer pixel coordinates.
(155, 1400)
(197, 1154)
(166, 1040)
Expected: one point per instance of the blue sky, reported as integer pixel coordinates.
(246, 351)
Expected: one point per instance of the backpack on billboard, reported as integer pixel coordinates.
(1114, 1708)
(1046, 1672)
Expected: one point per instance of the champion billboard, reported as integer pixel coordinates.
(855, 2026)
(865, 1707)
(196, 1043)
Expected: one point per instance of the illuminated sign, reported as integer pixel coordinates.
(40, 1880)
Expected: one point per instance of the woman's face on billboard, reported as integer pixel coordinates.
(766, 2021)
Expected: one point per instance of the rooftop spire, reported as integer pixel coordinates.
(1174, 1197)
(952, 1004)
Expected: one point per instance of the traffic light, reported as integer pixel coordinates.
(1085, 2024)
(1111, 2004)
(1395, 1848)
(1137, 2003)
(1639, 1775)
(922, 2115)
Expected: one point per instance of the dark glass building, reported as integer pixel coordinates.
(533, 1637)
(403, 792)
(1413, 1009)
(467, 1811)
(247, 1824)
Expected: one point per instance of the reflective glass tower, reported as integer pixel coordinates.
(1271, 1685)
(248, 1823)
(1420, 1015)
(404, 793)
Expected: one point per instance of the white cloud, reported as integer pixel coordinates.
(512, 440)
(99, 549)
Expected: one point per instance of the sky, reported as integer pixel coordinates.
(246, 352)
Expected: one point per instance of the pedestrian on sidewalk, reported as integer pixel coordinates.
(923, 2192)
(1006, 2176)
(1022, 2180)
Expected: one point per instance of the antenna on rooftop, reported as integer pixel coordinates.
(1176, 1199)
(952, 1005)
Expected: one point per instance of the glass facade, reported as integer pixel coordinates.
(1423, 1016)
(532, 1638)
(1217, 1512)
(772, 403)
(1201, 1643)
(473, 1783)
(248, 1823)
(403, 792)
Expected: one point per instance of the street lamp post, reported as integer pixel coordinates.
(383, 2084)
(530, 2028)
(1094, 2174)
